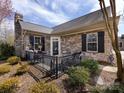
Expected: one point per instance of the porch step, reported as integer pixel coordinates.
(37, 73)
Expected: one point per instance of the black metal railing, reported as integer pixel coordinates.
(54, 65)
(64, 62)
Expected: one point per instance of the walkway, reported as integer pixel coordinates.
(107, 75)
(108, 68)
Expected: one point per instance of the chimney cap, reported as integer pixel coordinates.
(18, 16)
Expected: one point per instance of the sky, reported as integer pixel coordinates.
(54, 12)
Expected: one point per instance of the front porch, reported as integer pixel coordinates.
(53, 65)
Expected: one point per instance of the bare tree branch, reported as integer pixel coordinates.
(5, 9)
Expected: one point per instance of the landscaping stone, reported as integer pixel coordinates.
(99, 80)
(108, 68)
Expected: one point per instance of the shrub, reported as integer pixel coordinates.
(97, 90)
(13, 60)
(111, 89)
(115, 89)
(2, 57)
(92, 65)
(6, 50)
(9, 85)
(22, 69)
(4, 69)
(44, 88)
(78, 76)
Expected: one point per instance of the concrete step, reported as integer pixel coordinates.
(38, 73)
(35, 73)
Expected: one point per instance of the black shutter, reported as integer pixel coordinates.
(43, 43)
(32, 41)
(84, 42)
(101, 42)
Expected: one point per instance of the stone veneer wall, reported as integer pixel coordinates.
(18, 42)
(27, 42)
(47, 44)
(73, 43)
(70, 44)
(18, 35)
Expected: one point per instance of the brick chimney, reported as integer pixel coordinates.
(18, 17)
(18, 33)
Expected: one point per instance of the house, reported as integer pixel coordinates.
(86, 34)
(121, 43)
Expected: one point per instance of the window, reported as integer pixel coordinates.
(120, 44)
(92, 41)
(37, 43)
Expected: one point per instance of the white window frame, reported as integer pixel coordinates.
(37, 43)
(91, 42)
(53, 38)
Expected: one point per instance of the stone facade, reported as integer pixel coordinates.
(70, 42)
(47, 44)
(26, 42)
(73, 43)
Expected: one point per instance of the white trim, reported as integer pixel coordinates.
(88, 42)
(54, 38)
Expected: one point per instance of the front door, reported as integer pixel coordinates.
(55, 46)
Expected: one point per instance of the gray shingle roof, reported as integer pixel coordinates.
(35, 27)
(82, 21)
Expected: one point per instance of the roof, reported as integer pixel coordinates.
(34, 27)
(82, 21)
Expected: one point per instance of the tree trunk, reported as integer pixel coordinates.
(119, 65)
(113, 34)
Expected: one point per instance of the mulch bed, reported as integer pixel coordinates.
(108, 78)
(25, 80)
(1, 62)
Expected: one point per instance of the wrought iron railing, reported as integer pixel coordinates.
(55, 65)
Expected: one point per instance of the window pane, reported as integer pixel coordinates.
(92, 46)
(120, 44)
(55, 48)
(37, 47)
(92, 37)
(37, 40)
